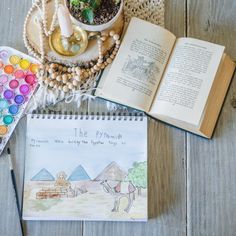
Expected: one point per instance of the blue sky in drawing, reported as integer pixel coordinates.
(56, 157)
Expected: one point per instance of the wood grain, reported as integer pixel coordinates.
(167, 190)
(191, 180)
(214, 21)
(166, 162)
(11, 31)
(12, 15)
(167, 171)
(211, 176)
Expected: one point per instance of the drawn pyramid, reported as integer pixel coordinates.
(78, 174)
(43, 175)
(112, 172)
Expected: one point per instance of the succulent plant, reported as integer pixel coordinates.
(88, 8)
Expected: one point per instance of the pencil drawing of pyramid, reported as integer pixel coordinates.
(78, 174)
(43, 175)
(112, 172)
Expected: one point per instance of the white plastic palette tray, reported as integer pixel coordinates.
(17, 84)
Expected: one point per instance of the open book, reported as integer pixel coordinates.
(180, 81)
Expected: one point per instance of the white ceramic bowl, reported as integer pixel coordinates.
(98, 27)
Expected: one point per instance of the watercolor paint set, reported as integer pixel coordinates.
(17, 84)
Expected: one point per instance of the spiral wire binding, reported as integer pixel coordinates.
(134, 116)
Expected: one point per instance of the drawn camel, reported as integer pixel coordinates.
(122, 189)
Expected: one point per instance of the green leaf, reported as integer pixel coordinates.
(138, 174)
(95, 3)
(117, 2)
(88, 15)
(75, 3)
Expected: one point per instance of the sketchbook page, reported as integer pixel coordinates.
(78, 168)
(187, 81)
(138, 67)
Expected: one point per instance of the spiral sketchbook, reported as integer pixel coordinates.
(86, 167)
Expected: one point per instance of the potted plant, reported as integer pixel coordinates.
(95, 15)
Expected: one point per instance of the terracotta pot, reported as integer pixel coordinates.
(101, 27)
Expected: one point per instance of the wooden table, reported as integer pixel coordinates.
(192, 181)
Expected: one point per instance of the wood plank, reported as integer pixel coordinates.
(9, 223)
(211, 164)
(175, 17)
(11, 31)
(166, 189)
(166, 163)
(167, 171)
(11, 35)
(214, 21)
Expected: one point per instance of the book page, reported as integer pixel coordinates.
(187, 81)
(74, 163)
(138, 67)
